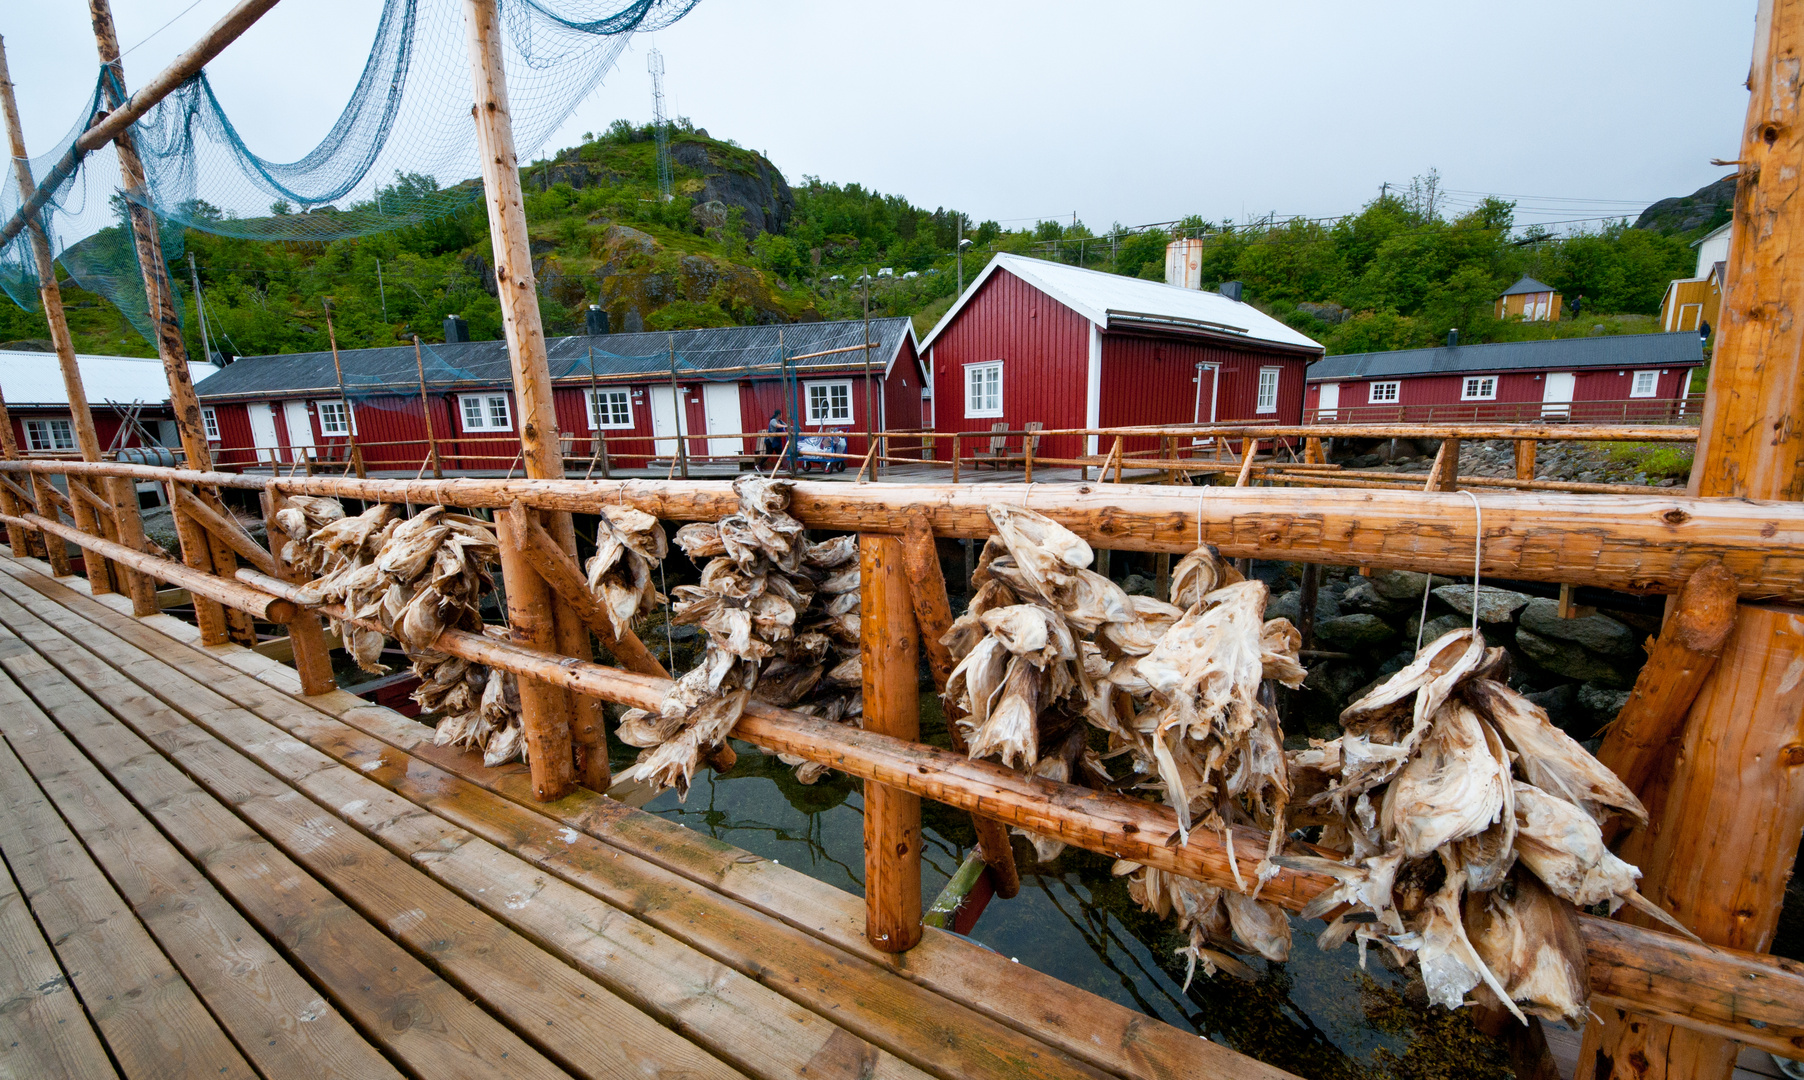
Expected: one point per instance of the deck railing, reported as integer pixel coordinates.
(1652, 544)
(1685, 410)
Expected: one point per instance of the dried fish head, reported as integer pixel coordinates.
(1281, 646)
(1564, 847)
(1010, 731)
(762, 497)
(1260, 926)
(1031, 631)
(1531, 940)
(1450, 965)
(700, 539)
(1196, 575)
(1451, 789)
(832, 554)
(1551, 759)
(637, 530)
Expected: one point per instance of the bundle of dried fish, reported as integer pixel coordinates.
(1220, 922)
(781, 615)
(299, 520)
(628, 543)
(1471, 824)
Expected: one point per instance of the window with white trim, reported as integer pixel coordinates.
(1384, 393)
(485, 412)
(49, 435)
(1268, 390)
(983, 389)
(1479, 388)
(210, 421)
(610, 409)
(1645, 384)
(334, 418)
(829, 402)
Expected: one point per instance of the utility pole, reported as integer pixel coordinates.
(200, 309)
(870, 395)
(200, 551)
(120, 493)
(558, 725)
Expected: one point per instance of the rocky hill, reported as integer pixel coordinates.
(1705, 208)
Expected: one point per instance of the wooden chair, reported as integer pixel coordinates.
(997, 454)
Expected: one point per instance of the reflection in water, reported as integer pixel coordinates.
(1318, 1015)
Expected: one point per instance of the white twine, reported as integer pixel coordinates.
(1478, 552)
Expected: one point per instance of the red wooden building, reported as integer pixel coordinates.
(118, 388)
(1033, 340)
(1630, 378)
(624, 387)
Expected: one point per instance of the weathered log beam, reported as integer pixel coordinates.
(255, 602)
(892, 707)
(1649, 543)
(566, 579)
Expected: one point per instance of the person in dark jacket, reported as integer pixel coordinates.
(773, 443)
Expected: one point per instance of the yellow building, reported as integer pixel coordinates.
(1530, 301)
(1691, 302)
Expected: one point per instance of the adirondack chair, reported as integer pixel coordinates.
(997, 455)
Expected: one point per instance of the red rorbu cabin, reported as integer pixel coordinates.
(1627, 379)
(1037, 341)
(626, 388)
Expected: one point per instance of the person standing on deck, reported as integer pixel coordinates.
(773, 443)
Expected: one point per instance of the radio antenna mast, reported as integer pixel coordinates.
(659, 122)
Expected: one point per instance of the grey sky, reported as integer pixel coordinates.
(1130, 112)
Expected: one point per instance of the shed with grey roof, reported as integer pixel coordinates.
(1639, 378)
(728, 380)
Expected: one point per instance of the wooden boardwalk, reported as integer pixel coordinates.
(207, 875)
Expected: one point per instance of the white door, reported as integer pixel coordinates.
(666, 421)
(300, 429)
(720, 401)
(263, 430)
(1203, 410)
(1329, 403)
(1556, 398)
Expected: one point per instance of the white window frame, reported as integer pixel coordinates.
(1266, 397)
(1653, 386)
(485, 410)
(975, 409)
(336, 431)
(1395, 388)
(42, 434)
(209, 420)
(826, 387)
(1486, 389)
(597, 398)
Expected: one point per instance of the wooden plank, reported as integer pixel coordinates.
(1107, 1034)
(933, 614)
(536, 994)
(437, 1030)
(146, 1012)
(892, 706)
(251, 991)
(43, 1029)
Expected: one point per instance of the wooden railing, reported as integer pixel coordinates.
(1651, 543)
(1685, 410)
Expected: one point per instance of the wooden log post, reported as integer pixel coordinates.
(545, 710)
(892, 817)
(56, 552)
(933, 614)
(312, 652)
(17, 539)
(1725, 827)
(1312, 451)
(1645, 733)
(197, 551)
(541, 445)
(1525, 458)
(100, 573)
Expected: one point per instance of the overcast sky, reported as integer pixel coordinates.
(1133, 112)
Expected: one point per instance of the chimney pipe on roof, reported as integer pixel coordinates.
(1453, 337)
(456, 330)
(1230, 289)
(595, 321)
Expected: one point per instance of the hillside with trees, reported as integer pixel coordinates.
(738, 244)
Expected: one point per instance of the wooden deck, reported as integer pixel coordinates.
(220, 878)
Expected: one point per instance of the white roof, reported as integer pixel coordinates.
(35, 378)
(1115, 302)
